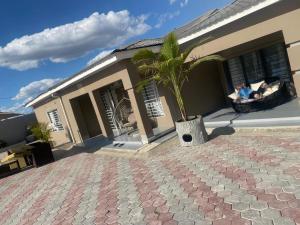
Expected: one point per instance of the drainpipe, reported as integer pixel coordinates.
(66, 117)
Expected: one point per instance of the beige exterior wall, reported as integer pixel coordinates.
(283, 19)
(101, 79)
(294, 56)
(163, 122)
(57, 137)
(203, 93)
(168, 102)
(13, 130)
(91, 85)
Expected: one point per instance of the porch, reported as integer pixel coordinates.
(112, 115)
(284, 115)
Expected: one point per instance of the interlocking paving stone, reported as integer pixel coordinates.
(244, 178)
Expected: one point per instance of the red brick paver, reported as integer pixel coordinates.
(237, 179)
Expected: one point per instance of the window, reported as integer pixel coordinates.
(253, 67)
(275, 61)
(270, 62)
(236, 69)
(55, 122)
(152, 101)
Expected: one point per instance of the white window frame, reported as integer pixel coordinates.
(152, 100)
(55, 122)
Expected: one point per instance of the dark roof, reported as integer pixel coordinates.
(5, 115)
(215, 16)
(194, 25)
(141, 44)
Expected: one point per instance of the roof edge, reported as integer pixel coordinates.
(227, 21)
(181, 41)
(71, 81)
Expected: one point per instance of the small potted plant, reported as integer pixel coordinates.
(41, 132)
(170, 69)
(41, 149)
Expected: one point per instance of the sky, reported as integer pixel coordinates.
(44, 42)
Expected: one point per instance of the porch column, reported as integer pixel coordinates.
(292, 41)
(103, 122)
(140, 113)
(294, 54)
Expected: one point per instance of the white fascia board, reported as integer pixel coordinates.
(228, 20)
(294, 44)
(180, 42)
(74, 79)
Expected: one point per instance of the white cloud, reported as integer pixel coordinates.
(16, 108)
(27, 93)
(33, 89)
(163, 18)
(70, 41)
(99, 56)
(184, 3)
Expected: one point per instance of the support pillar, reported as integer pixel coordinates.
(140, 113)
(294, 54)
(103, 122)
(292, 41)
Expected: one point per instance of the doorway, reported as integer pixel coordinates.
(119, 113)
(85, 116)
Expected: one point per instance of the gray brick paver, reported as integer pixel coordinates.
(24, 206)
(270, 214)
(185, 206)
(88, 204)
(180, 204)
(128, 204)
(53, 206)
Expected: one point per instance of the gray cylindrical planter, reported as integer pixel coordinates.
(192, 132)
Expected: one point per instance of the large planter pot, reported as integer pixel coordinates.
(191, 132)
(41, 153)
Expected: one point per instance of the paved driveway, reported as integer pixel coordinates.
(238, 179)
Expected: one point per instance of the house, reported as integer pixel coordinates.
(258, 38)
(13, 128)
(5, 115)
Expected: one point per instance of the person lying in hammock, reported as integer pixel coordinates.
(245, 92)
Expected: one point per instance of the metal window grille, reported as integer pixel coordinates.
(108, 109)
(236, 71)
(253, 67)
(276, 62)
(152, 101)
(268, 62)
(55, 122)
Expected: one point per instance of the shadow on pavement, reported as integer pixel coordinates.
(221, 131)
(71, 150)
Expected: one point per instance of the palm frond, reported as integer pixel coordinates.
(206, 59)
(170, 48)
(148, 69)
(141, 84)
(144, 56)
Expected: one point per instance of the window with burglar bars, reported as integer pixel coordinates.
(236, 71)
(152, 100)
(270, 62)
(55, 122)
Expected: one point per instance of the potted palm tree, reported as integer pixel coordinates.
(170, 69)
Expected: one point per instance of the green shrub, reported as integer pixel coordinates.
(41, 132)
